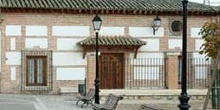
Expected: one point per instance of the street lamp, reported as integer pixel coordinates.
(184, 98)
(97, 25)
(156, 24)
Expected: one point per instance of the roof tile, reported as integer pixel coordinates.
(148, 5)
(112, 41)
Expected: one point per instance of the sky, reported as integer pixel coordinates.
(212, 2)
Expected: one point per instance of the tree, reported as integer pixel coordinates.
(210, 32)
(211, 48)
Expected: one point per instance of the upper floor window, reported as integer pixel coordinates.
(176, 27)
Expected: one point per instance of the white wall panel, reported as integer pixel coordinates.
(148, 55)
(151, 73)
(201, 72)
(200, 59)
(200, 63)
(67, 44)
(68, 59)
(13, 73)
(145, 32)
(13, 58)
(12, 44)
(70, 74)
(36, 42)
(36, 30)
(112, 31)
(197, 55)
(198, 44)
(70, 31)
(195, 32)
(175, 43)
(13, 30)
(151, 45)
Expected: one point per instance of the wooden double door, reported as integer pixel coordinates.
(111, 71)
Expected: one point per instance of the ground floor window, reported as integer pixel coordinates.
(36, 71)
(36, 74)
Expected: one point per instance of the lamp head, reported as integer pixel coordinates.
(156, 23)
(97, 22)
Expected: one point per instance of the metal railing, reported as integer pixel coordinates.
(151, 73)
(145, 73)
(40, 83)
(198, 72)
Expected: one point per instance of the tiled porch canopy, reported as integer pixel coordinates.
(121, 42)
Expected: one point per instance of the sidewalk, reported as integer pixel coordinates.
(67, 102)
(39, 102)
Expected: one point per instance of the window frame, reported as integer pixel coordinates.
(175, 33)
(36, 70)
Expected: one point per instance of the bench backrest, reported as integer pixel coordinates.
(90, 94)
(112, 101)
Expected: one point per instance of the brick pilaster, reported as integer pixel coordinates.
(172, 71)
(90, 71)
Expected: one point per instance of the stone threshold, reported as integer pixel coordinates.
(164, 94)
(153, 92)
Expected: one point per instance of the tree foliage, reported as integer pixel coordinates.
(210, 33)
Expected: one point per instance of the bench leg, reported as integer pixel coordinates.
(83, 104)
(77, 102)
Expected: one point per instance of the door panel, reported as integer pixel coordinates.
(111, 71)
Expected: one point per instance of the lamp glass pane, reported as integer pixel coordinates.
(97, 25)
(157, 22)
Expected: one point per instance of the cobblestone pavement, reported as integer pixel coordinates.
(67, 102)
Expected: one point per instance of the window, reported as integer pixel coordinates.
(36, 71)
(176, 27)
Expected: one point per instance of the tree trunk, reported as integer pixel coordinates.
(213, 78)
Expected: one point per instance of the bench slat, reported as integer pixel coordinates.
(90, 95)
(110, 103)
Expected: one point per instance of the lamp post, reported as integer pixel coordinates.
(184, 98)
(97, 25)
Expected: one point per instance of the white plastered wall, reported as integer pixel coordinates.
(175, 43)
(111, 31)
(145, 32)
(68, 58)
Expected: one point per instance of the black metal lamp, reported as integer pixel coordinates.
(156, 24)
(97, 22)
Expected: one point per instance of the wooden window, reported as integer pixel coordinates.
(36, 71)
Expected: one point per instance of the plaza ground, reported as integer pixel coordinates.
(165, 100)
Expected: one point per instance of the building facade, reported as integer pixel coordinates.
(44, 43)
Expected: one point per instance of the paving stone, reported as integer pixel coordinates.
(68, 102)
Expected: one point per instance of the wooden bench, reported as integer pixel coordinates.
(110, 104)
(149, 107)
(87, 98)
